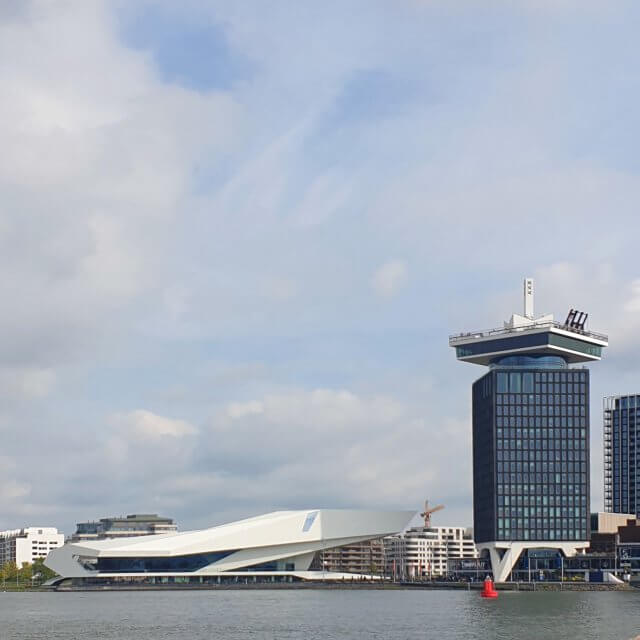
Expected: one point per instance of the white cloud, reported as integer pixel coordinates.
(94, 175)
(331, 447)
(151, 233)
(390, 277)
(243, 409)
(633, 303)
(150, 425)
(278, 288)
(11, 490)
(26, 382)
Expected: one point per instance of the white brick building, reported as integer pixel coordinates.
(28, 544)
(424, 552)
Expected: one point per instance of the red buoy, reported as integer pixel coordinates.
(487, 590)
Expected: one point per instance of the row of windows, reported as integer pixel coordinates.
(541, 523)
(561, 376)
(542, 410)
(511, 431)
(542, 445)
(541, 489)
(544, 390)
(542, 534)
(191, 562)
(544, 501)
(542, 477)
(541, 512)
(541, 398)
(550, 421)
(628, 401)
(520, 455)
(632, 417)
(527, 381)
(542, 467)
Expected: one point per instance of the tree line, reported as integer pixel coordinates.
(28, 574)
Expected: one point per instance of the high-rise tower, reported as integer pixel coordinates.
(530, 433)
(622, 454)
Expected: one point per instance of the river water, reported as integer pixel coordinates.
(318, 614)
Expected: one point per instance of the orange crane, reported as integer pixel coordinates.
(428, 511)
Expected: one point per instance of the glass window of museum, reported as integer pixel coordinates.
(531, 449)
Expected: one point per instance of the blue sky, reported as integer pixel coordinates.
(236, 236)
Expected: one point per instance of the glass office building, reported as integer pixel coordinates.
(621, 454)
(531, 453)
(530, 416)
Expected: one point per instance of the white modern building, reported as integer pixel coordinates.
(424, 552)
(28, 544)
(276, 546)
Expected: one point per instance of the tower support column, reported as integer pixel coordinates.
(504, 555)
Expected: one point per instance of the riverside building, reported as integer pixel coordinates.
(279, 546)
(622, 454)
(427, 552)
(531, 434)
(28, 544)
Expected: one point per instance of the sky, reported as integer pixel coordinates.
(235, 237)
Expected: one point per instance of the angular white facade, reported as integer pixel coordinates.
(281, 543)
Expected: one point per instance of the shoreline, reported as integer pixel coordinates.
(367, 586)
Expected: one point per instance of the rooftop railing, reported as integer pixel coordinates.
(501, 331)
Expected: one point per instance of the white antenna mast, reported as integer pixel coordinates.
(528, 298)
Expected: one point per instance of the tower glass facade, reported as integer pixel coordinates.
(621, 454)
(531, 451)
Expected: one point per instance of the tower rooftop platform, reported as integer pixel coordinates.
(526, 335)
(547, 338)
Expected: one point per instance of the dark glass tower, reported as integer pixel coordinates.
(622, 454)
(531, 453)
(530, 434)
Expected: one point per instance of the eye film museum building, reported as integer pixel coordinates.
(278, 546)
(530, 414)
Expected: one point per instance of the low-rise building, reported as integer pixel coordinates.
(365, 558)
(614, 549)
(137, 524)
(425, 552)
(604, 531)
(28, 544)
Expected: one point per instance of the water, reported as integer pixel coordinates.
(318, 614)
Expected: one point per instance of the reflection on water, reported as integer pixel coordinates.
(316, 614)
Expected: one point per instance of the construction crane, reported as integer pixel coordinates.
(427, 513)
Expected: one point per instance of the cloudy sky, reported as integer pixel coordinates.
(235, 236)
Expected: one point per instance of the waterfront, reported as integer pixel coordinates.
(318, 614)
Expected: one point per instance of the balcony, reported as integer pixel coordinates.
(507, 331)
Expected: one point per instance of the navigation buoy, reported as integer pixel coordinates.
(487, 590)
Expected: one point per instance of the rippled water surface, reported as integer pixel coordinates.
(312, 614)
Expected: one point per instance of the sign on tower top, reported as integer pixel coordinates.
(528, 298)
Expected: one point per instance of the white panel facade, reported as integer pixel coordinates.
(424, 552)
(283, 542)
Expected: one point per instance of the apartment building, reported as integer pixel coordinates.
(364, 558)
(424, 552)
(28, 544)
